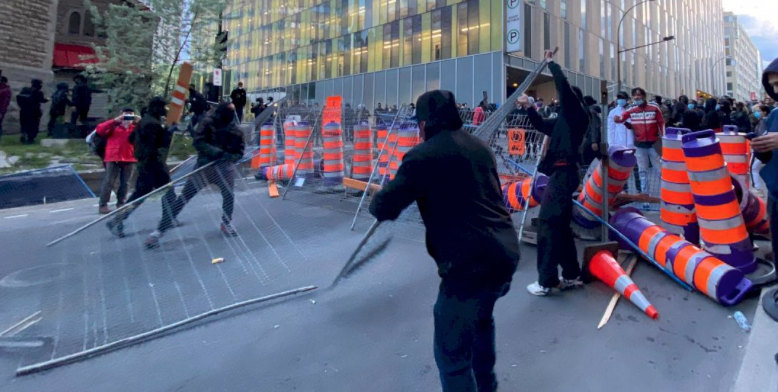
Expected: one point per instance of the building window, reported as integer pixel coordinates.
(546, 31)
(567, 45)
(74, 24)
(729, 86)
(528, 30)
(581, 61)
(583, 14)
(729, 62)
(729, 74)
(563, 8)
(89, 25)
(543, 4)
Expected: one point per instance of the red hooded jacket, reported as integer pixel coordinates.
(117, 147)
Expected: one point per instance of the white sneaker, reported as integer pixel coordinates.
(536, 289)
(565, 284)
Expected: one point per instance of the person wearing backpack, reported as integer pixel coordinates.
(5, 100)
(59, 104)
(30, 113)
(119, 157)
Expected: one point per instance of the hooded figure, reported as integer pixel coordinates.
(59, 104)
(151, 141)
(766, 146)
(591, 143)
(82, 100)
(740, 118)
(679, 109)
(29, 101)
(556, 245)
(711, 119)
(452, 176)
(219, 143)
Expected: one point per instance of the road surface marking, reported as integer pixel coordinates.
(16, 216)
(62, 210)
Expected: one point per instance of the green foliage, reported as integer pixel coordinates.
(145, 45)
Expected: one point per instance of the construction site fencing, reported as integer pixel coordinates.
(42, 186)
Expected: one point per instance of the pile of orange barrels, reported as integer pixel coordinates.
(362, 164)
(723, 231)
(622, 161)
(525, 192)
(265, 155)
(700, 269)
(407, 136)
(737, 154)
(677, 204)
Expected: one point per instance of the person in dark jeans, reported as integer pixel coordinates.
(452, 177)
(766, 148)
(151, 141)
(238, 97)
(219, 141)
(556, 245)
(59, 104)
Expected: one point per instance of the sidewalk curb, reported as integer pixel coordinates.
(759, 370)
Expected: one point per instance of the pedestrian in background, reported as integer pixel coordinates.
(238, 97)
(197, 108)
(765, 146)
(119, 157)
(59, 104)
(712, 120)
(30, 113)
(476, 252)
(591, 145)
(82, 101)
(5, 100)
(740, 118)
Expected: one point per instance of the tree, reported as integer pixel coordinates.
(145, 43)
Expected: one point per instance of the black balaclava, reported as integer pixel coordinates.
(157, 108)
(224, 114)
(684, 100)
(438, 110)
(37, 83)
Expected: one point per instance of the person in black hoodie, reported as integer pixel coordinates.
(452, 176)
(238, 97)
(82, 100)
(711, 119)
(151, 141)
(29, 101)
(679, 110)
(59, 104)
(197, 106)
(725, 111)
(692, 117)
(556, 245)
(218, 140)
(740, 118)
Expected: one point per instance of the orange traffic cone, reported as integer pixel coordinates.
(599, 262)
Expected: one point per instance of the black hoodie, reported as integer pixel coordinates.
(452, 176)
(150, 138)
(568, 129)
(711, 119)
(218, 137)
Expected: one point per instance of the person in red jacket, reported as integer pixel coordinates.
(119, 157)
(648, 125)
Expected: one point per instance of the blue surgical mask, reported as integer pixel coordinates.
(718, 107)
(690, 106)
(621, 102)
(639, 102)
(757, 114)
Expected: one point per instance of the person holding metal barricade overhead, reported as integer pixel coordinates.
(452, 176)
(561, 163)
(151, 141)
(219, 143)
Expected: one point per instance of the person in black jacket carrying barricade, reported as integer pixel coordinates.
(151, 141)
(452, 176)
(219, 142)
(556, 245)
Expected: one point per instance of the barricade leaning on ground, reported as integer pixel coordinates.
(42, 186)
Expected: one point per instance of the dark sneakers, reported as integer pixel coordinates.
(228, 230)
(116, 228)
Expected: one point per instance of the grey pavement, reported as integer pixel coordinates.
(371, 333)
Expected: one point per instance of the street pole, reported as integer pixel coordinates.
(618, 45)
(713, 74)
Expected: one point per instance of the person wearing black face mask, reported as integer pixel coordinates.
(218, 140)
(476, 249)
(151, 141)
(556, 245)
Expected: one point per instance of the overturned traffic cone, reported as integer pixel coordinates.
(599, 262)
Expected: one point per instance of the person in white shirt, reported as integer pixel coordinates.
(618, 134)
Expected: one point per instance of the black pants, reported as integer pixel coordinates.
(772, 211)
(556, 245)
(80, 114)
(239, 110)
(53, 117)
(221, 174)
(150, 178)
(30, 124)
(464, 336)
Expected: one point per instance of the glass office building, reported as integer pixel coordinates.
(391, 51)
(743, 62)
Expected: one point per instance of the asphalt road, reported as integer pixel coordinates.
(371, 333)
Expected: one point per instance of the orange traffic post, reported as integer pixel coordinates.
(677, 211)
(599, 262)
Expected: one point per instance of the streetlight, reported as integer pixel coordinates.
(618, 45)
(713, 74)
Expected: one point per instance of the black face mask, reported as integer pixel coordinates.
(224, 114)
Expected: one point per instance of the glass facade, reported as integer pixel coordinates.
(276, 43)
(386, 48)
